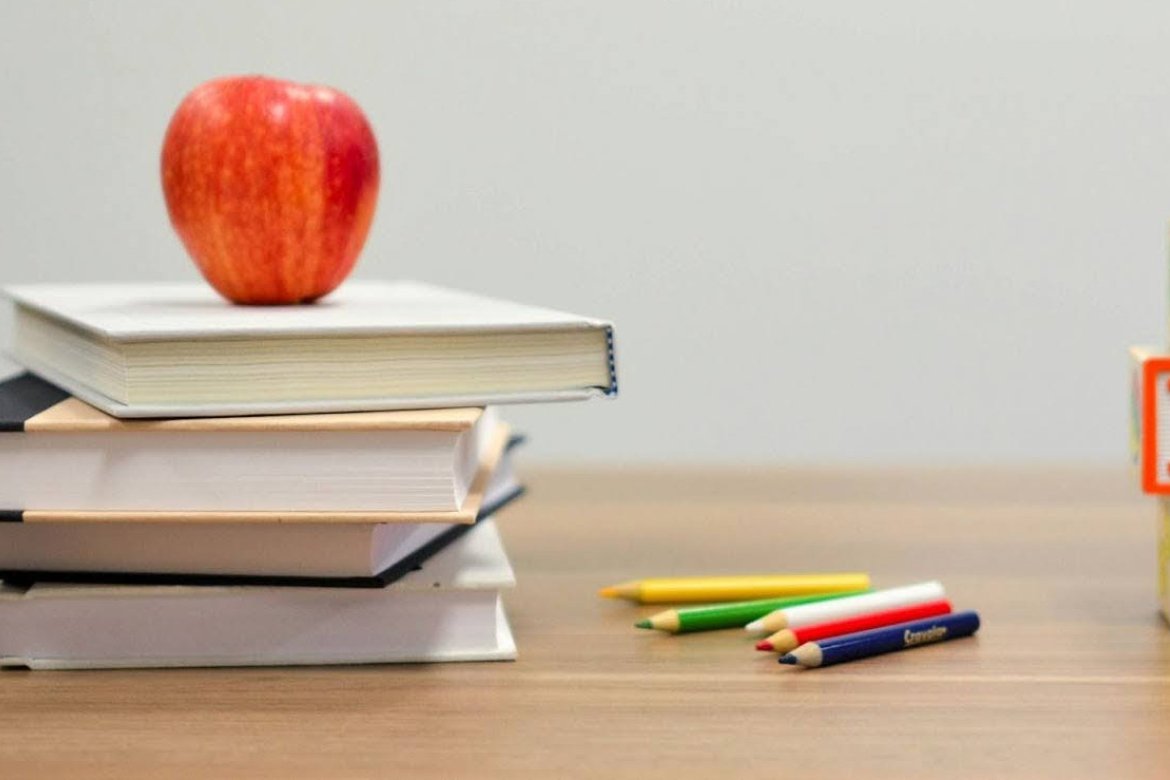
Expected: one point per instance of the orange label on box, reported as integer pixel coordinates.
(1150, 420)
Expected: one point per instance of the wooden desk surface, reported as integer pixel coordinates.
(1070, 676)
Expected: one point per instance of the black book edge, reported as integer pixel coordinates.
(25, 578)
(23, 397)
(415, 561)
(611, 358)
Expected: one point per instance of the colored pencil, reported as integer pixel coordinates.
(735, 614)
(789, 638)
(838, 609)
(691, 590)
(876, 641)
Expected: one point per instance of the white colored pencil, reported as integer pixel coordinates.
(850, 606)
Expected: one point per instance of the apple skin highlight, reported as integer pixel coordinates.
(271, 186)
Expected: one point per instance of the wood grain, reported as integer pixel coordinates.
(1069, 677)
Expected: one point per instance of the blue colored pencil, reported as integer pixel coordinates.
(887, 639)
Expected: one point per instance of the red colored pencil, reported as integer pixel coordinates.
(789, 638)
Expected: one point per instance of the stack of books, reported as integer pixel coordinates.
(184, 482)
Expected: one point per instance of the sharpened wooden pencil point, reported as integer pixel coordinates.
(789, 659)
(623, 590)
(783, 641)
(643, 624)
(765, 645)
(663, 621)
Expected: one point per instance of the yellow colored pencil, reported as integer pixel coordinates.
(691, 590)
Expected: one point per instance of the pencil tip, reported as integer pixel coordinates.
(608, 592)
(643, 624)
(788, 658)
(765, 645)
(755, 625)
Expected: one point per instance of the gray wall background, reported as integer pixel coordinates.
(850, 231)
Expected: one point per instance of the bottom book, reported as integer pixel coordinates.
(450, 610)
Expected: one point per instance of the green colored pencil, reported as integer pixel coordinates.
(733, 615)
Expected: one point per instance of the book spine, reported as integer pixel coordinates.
(611, 359)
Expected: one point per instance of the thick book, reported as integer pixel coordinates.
(63, 460)
(344, 555)
(450, 610)
(178, 350)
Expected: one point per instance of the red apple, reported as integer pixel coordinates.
(271, 186)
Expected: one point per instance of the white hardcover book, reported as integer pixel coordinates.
(178, 350)
(342, 554)
(451, 610)
(62, 460)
